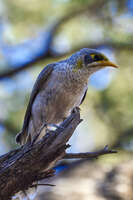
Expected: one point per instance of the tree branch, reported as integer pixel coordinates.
(86, 155)
(20, 168)
(16, 167)
(40, 48)
(36, 49)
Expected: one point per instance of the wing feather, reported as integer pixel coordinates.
(41, 79)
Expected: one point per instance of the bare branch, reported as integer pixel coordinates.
(87, 155)
(41, 184)
(20, 168)
(110, 44)
(16, 167)
(36, 49)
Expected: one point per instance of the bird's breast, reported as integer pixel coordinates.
(59, 97)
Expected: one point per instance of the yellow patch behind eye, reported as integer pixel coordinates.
(93, 55)
(78, 66)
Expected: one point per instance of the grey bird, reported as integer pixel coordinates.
(59, 88)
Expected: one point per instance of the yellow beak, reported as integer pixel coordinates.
(107, 63)
(103, 63)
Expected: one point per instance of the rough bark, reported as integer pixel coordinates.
(32, 162)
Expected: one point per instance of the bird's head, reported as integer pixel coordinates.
(90, 60)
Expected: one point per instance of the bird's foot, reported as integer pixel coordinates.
(53, 127)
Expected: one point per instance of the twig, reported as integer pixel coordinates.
(41, 184)
(86, 155)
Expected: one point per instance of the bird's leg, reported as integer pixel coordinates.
(55, 126)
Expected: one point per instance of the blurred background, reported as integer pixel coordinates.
(34, 33)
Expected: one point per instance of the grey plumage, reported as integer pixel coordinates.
(22, 137)
(58, 89)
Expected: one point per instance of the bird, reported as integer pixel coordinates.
(59, 88)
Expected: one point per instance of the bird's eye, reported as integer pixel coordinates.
(88, 59)
(97, 57)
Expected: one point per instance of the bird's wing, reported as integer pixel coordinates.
(83, 97)
(41, 79)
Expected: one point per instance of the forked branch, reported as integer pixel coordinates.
(20, 168)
